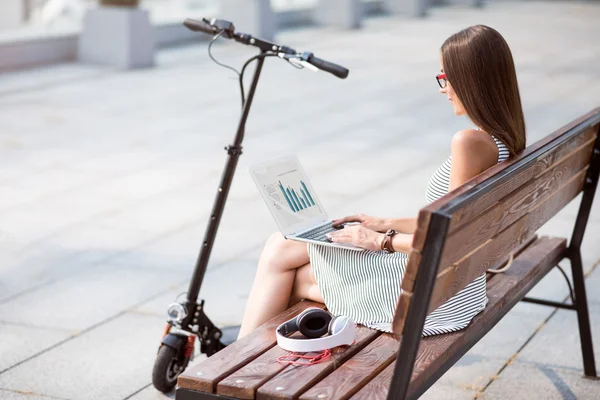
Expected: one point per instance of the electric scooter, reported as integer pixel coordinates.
(186, 319)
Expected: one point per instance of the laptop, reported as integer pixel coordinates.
(293, 202)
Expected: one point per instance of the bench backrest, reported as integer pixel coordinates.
(481, 223)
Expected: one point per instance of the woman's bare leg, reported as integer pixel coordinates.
(274, 281)
(305, 286)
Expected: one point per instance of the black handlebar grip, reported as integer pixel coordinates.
(199, 26)
(330, 67)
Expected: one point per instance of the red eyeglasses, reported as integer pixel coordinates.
(441, 80)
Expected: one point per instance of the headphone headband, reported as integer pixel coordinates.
(343, 335)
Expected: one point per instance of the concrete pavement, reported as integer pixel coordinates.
(108, 177)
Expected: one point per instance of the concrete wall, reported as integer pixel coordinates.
(30, 53)
(12, 13)
(33, 52)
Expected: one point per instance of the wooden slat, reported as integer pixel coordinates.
(412, 266)
(407, 285)
(294, 380)
(422, 226)
(504, 260)
(204, 376)
(452, 279)
(402, 308)
(551, 168)
(510, 208)
(533, 168)
(437, 353)
(546, 141)
(378, 387)
(242, 384)
(356, 372)
(503, 292)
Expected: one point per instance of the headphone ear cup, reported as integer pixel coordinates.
(314, 323)
(337, 324)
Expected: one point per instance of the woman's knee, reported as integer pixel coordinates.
(275, 244)
(277, 255)
(305, 285)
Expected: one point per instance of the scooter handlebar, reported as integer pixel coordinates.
(200, 26)
(226, 28)
(327, 66)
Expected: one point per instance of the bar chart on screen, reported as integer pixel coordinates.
(297, 199)
(288, 193)
(291, 195)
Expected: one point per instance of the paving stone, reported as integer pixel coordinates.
(92, 239)
(10, 395)
(110, 362)
(173, 252)
(225, 290)
(471, 372)
(562, 226)
(592, 284)
(151, 154)
(86, 299)
(150, 393)
(60, 255)
(18, 342)
(512, 332)
(541, 382)
(23, 271)
(557, 345)
(449, 392)
(468, 376)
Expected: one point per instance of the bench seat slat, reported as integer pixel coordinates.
(356, 372)
(243, 383)
(438, 353)
(294, 380)
(378, 387)
(204, 376)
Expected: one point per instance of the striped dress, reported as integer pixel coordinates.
(366, 285)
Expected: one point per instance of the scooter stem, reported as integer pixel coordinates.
(234, 151)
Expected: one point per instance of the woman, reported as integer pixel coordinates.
(478, 77)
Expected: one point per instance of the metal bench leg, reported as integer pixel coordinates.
(583, 316)
(589, 189)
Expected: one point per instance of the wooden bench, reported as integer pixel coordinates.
(478, 226)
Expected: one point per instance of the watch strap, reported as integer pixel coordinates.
(386, 244)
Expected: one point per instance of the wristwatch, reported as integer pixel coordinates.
(386, 243)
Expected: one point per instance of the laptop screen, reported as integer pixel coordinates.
(289, 195)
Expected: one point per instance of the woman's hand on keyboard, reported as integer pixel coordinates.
(373, 223)
(359, 236)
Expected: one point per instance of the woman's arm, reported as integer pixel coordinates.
(471, 155)
(403, 225)
(369, 239)
(402, 242)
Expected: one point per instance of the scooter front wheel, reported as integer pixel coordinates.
(167, 368)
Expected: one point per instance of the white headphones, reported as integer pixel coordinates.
(313, 323)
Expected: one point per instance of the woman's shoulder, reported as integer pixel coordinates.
(474, 139)
(479, 145)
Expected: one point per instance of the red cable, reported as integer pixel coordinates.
(312, 360)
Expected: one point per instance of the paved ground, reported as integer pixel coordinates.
(107, 178)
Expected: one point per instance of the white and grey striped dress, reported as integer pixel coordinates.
(366, 285)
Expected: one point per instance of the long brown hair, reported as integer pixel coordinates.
(480, 68)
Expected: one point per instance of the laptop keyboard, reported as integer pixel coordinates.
(318, 233)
